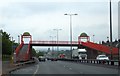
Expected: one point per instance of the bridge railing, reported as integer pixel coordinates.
(54, 42)
(94, 61)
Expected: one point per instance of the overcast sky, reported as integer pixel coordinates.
(39, 18)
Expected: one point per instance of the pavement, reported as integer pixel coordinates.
(8, 67)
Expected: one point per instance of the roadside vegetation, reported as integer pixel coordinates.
(37, 54)
(8, 46)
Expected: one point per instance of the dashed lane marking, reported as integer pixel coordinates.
(70, 68)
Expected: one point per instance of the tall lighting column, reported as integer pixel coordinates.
(12, 49)
(93, 38)
(52, 41)
(18, 39)
(111, 30)
(57, 30)
(70, 30)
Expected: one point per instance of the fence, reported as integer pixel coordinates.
(94, 61)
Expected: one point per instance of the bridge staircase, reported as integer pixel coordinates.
(22, 52)
(100, 47)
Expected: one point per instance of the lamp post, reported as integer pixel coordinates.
(111, 30)
(57, 30)
(12, 43)
(93, 38)
(52, 41)
(18, 39)
(12, 50)
(70, 30)
(0, 46)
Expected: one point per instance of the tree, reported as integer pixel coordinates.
(34, 52)
(40, 54)
(6, 43)
(8, 46)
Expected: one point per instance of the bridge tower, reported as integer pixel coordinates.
(83, 38)
(91, 53)
(26, 35)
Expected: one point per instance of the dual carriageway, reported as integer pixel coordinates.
(23, 53)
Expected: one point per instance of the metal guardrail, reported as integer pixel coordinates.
(94, 61)
(24, 63)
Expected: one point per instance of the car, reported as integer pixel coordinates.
(41, 58)
(102, 57)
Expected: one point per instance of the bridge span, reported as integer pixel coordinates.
(23, 51)
(91, 45)
(54, 43)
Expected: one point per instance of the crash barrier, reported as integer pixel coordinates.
(24, 63)
(94, 61)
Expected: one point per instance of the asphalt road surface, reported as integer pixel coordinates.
(62, 67)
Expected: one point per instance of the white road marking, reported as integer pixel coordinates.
(67, 67)
(36, 70)
(70, 68)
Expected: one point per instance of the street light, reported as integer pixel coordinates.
(71, 30)
(93, 38)
(12, 43)
(18, 39)
(57, 30)
(52, 41)
(12, 49)
(0, 44)
(111, 30)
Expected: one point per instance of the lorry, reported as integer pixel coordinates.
(79, 54)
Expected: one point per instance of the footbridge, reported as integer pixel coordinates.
(23, 51)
